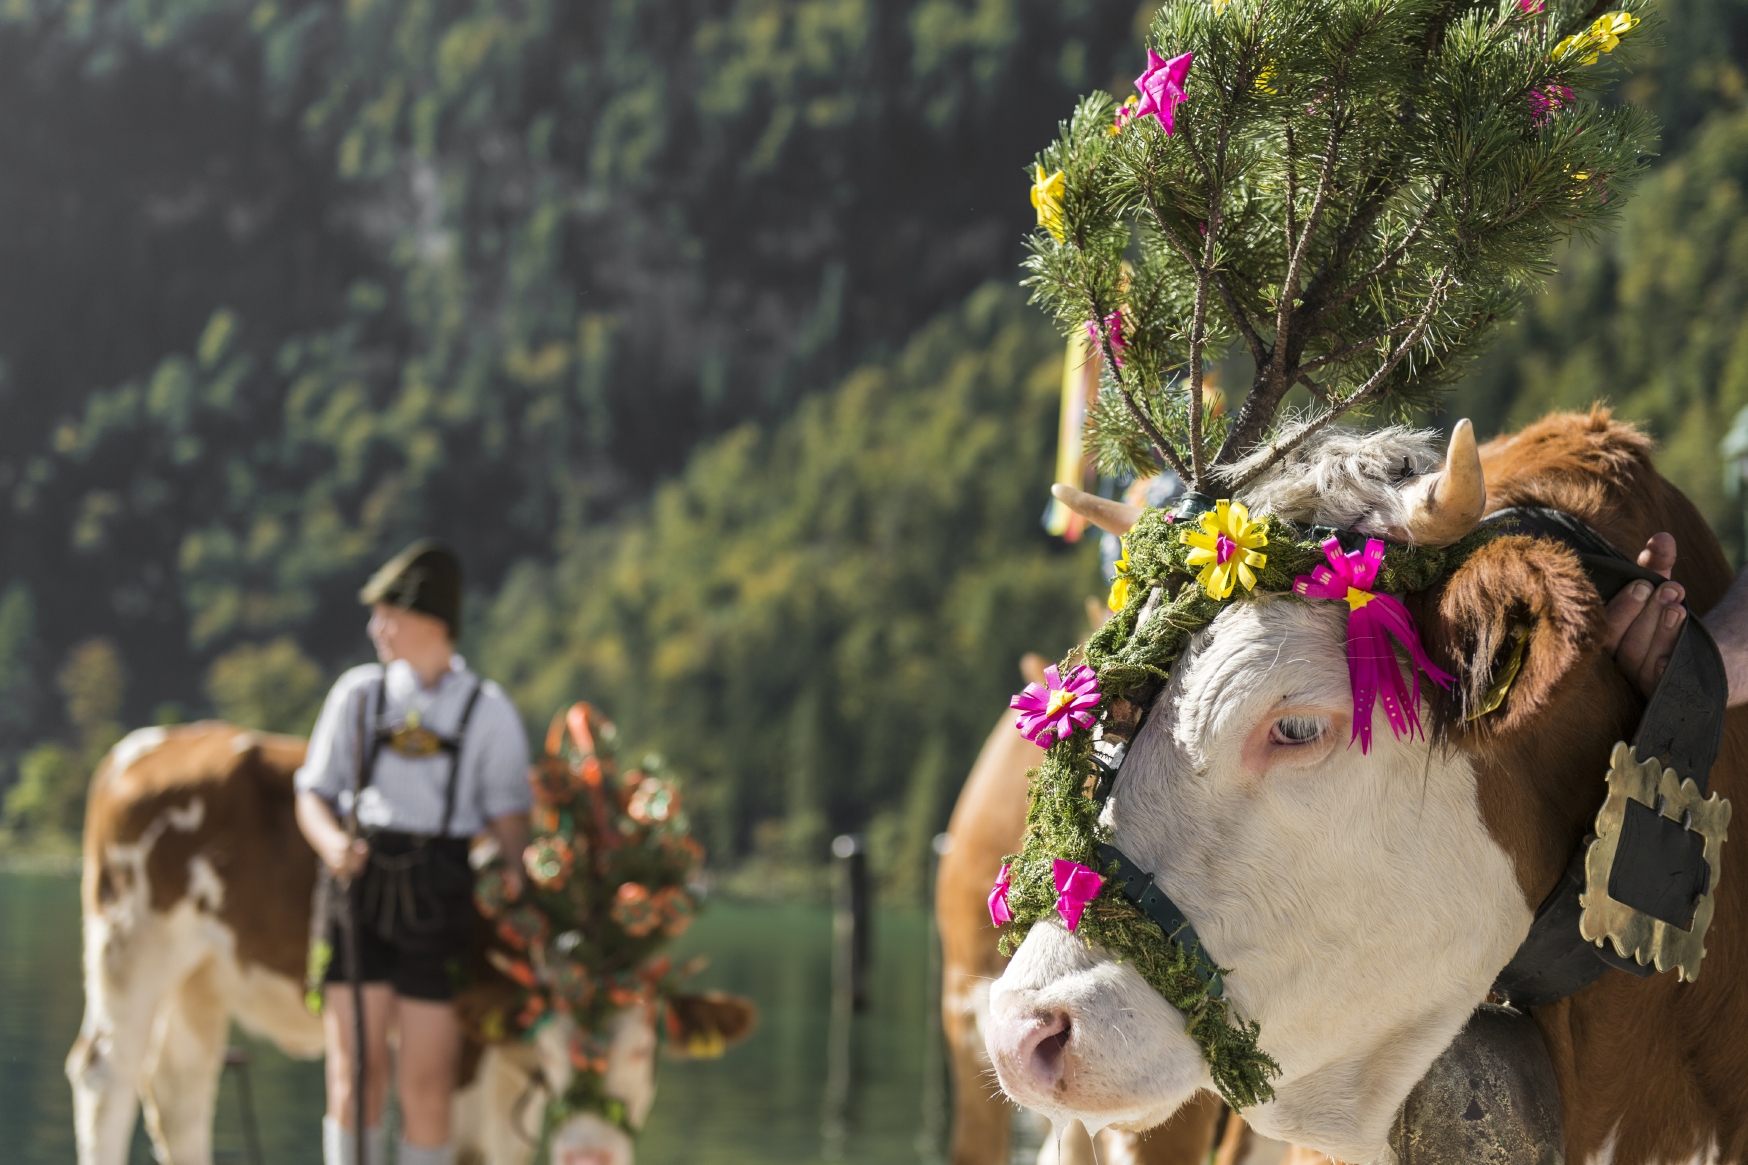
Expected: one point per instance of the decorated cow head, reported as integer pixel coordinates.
(1360, 901)
(1265, 854)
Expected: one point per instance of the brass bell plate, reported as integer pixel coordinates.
(414, 742)
(1635, 934)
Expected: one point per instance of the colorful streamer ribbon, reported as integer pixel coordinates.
(1372, 620)
(1076, 885)
(999, 912)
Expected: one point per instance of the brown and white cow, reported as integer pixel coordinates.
(987, 824)
(1365, 903)
(196, 900)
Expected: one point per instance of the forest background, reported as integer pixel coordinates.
(690, 323)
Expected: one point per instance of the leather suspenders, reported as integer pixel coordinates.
(451, 745)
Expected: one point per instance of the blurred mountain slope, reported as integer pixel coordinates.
(818, 622)
(294, 282)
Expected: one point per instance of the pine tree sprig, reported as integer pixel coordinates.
(1357, 189)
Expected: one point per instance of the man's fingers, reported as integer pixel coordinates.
(1659, 554)
(1623, 610)
(1649, 638)
(1670, 617)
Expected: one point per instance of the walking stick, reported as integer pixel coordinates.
(353, 971)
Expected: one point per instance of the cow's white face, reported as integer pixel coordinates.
(1359, 900)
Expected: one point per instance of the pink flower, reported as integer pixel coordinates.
(1113, 329)
(1162, 87)
(1051, 711)
(1076, 885)
(1531, 7)
(999, 913)
(1547, 101)
(1373, 619)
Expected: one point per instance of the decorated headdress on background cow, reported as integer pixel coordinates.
(1352, 194)
(610, 877)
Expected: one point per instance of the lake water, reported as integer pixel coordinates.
(761, 1104)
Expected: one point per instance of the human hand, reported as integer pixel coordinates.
(1643, 620)
(345, 857)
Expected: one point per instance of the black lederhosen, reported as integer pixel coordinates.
(414, 901)
(415, 916)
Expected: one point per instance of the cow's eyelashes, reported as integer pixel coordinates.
(1294, 730)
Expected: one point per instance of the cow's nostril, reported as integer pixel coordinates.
(1049, 1043)
(1049, 1050)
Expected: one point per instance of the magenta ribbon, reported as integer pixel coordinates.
(1372, 620)
(999, 913)
(1076, 885)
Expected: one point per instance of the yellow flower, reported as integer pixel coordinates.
(1120, 585)
(1226, 548)
(1603, 36)
(1265, 80)
(1220, 5)
(1047, 198)
(1125, 115)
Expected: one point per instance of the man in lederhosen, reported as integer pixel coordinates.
(438, 755)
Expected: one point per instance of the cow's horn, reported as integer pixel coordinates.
(1116, 517)
(1444, 506)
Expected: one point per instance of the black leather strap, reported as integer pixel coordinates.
(453, 747)
(1659, 867)
(1140, 888)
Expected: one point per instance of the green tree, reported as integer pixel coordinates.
(93, 682)
(19, 684)
(49, 799)
(818, 622)
(1354, 193)
(1651, 320)
(272, 686)
(48, 802)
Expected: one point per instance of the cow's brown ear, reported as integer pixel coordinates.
(1510, 624)
(703, 1026)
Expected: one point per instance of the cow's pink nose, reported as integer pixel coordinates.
(1030, 1052)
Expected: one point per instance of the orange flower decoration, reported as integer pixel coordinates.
(549, 861)
(634, 910)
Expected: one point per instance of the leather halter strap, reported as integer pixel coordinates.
(1660, 864)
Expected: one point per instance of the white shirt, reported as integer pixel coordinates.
(404, 793)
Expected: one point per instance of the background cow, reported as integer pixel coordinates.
(1365, 903)
(196, 898)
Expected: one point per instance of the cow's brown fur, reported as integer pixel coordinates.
(1644, 1064)
(243, 780)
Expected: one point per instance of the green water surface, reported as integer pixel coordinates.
(761, 1103)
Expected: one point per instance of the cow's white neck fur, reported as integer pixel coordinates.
(1310, 883)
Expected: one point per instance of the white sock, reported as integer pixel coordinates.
(340, 1148)
(414, 1155)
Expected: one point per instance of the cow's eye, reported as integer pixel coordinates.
(1298, 729)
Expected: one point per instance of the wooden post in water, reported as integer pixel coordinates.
(935, 1087)
(851, 916)
(850, 948)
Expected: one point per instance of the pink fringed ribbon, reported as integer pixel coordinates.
(999, 912)
(1076, 885)
(1372, 620)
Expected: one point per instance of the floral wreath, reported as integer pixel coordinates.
(608, 874)
(1179, 570)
